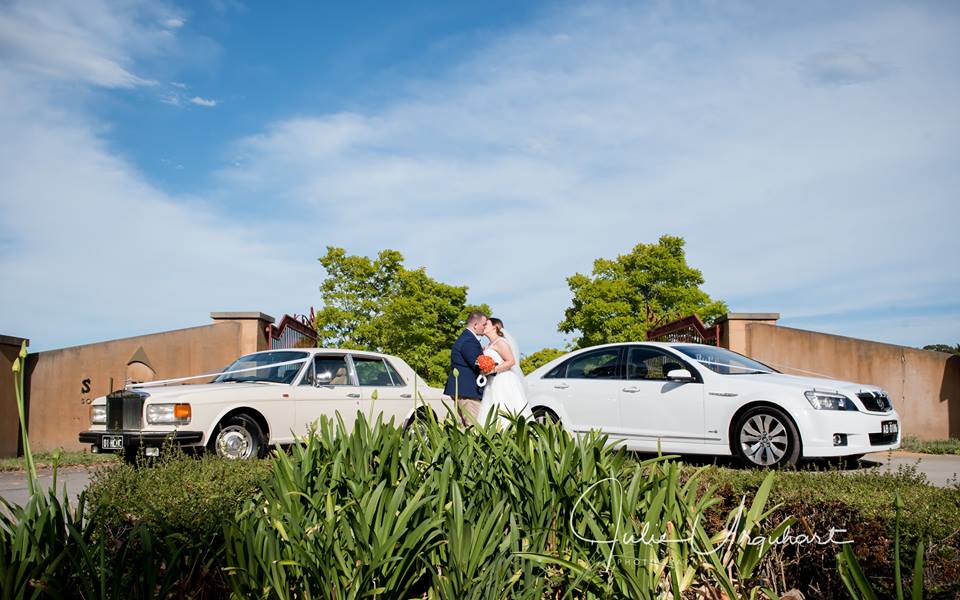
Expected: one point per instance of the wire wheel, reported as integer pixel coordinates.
(238, 439)
(767, 438)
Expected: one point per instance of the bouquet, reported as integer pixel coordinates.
(485, 363)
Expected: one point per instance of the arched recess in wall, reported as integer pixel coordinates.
(139, 369)
(138, 372)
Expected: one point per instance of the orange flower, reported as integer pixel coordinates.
(485, 363)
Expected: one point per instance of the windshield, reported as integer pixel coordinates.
(273, 367)
(725, 362)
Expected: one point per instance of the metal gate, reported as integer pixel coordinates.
(295, 331)
(688, 329)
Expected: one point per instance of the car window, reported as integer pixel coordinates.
(601, 364)
(650, 364)
(372, 371)
(327, 370)
(723, 361)
(558, 372)
(275, 367)
(394, 374)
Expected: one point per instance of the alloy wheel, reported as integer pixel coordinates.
(764, 440)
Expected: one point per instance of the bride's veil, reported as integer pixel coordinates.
(515, 348)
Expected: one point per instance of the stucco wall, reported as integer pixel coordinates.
(9, 417)
(924, 385)
(63, 382)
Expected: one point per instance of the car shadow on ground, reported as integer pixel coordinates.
(732, 462)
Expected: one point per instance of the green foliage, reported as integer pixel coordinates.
(861, 503)
(856, 581)
(947, 446)
(943, 348)
(532, 362)
(64, 459)
(382, 306)
(628, 295)
(458, 514)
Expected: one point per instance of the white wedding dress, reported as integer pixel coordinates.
(504, 392)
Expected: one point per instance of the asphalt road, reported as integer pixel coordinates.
(13, 484)
(941, 471)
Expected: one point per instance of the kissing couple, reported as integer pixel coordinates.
(479, 393)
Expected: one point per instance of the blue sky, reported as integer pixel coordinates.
(159, 161)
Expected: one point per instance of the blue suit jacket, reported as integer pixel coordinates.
(463, 358)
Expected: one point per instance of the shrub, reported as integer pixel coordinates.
(862, 503)
(181, 503)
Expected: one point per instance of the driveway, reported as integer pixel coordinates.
(942, 470)
(13, 484)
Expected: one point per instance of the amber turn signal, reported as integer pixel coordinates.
(181, 412)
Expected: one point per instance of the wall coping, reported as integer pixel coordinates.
(772, 316)
(242, 315)
(12, 340)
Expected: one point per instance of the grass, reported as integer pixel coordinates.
(67, 459)
(948, 446)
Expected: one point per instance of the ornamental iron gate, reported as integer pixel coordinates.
(295, 331)
(688, 329)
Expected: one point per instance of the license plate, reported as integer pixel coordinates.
(891, 427)
(111, 442)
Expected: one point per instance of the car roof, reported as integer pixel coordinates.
(644, 343)
(324, 351)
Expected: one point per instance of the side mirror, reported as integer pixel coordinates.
(680, 375)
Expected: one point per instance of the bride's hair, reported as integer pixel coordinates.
(497, 324)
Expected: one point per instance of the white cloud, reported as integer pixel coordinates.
(549, 150)
(93, 42)
(89, 249)
(512, 171)
(203, 102)
(174, 22)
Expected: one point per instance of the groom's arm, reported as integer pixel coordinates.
(471, 350)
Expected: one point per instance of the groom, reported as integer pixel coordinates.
(463, 358)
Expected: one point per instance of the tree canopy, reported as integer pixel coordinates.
(381, 306)
(532, 362)
(943, 348)
(626, 296)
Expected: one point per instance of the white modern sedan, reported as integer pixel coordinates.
(696, 399)
(264, 398)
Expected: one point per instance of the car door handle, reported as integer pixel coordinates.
(631, 390)
(406, 395)
(353, 395)
(561, 386)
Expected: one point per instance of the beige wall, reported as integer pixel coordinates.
(9, 417)
(924, 385)
(64, 382)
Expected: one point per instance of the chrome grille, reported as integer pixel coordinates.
(875, 401)
(125, 410)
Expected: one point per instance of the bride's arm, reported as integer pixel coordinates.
(506, 353)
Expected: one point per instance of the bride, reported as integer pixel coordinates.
(505, 390)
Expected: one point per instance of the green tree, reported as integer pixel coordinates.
(529, 364)
(625, 296)
(382, 306)
(943, 348)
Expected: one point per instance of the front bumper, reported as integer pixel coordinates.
(863, 432)
(142, 439)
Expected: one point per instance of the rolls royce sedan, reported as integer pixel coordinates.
(264, 398)
(696, 399)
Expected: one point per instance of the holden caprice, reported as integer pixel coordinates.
(698, 399)
(262, 399)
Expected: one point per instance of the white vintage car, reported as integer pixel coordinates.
(265, 398)
(696, 399)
